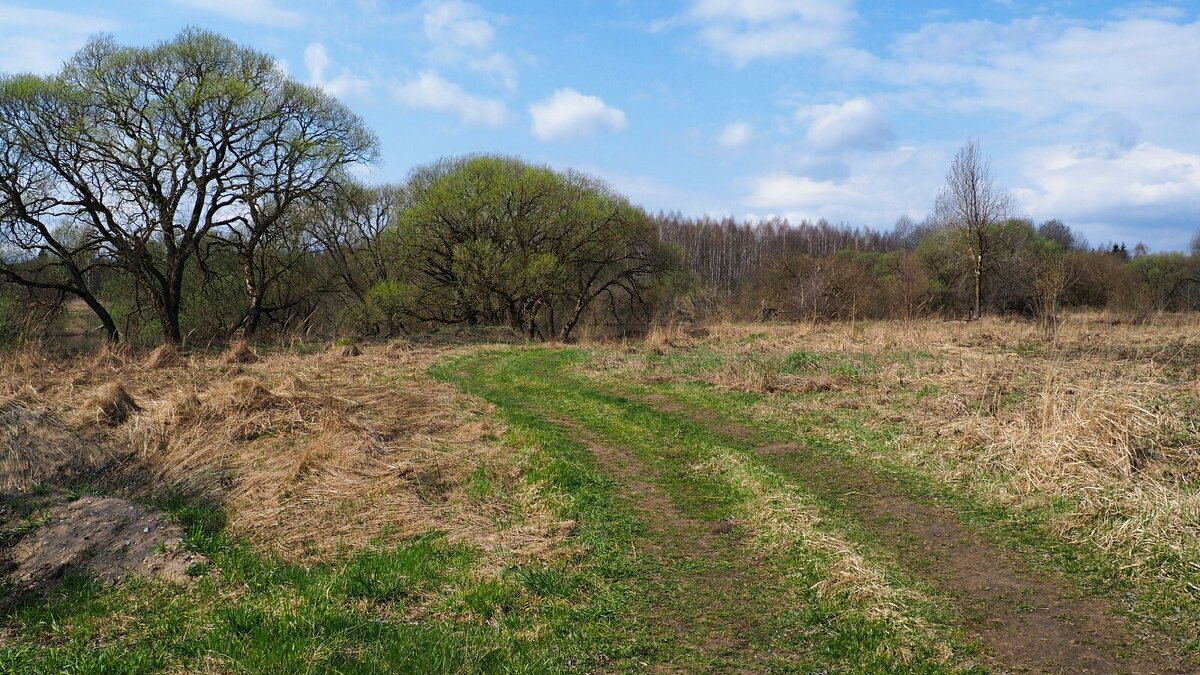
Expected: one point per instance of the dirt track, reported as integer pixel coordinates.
(1029, 622)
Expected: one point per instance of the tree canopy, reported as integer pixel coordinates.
(489, 239)
(134, 157)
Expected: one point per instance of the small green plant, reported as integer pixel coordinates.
(799, 361)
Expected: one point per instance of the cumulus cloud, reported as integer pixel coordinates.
(458, 24)
(745, 30)
(1108, 105)
(1147, 185)
(854, 124)
(735, 135)
(261, 12)
(316, 59)
(40, 40)
(1044, 68)
(568, 114)
(431, 91)
(462, 34)
(874, 189)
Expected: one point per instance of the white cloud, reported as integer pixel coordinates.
(1043, 69)
(1108, 106)
(497, 66)
(781, 190)
(262, 12)
(745, 30)
(854, 124)
(316, 59)
(433, 92)
(462, 34)
(568, 114)
(874, 190)
(1146, 185)
(458, 24)
(735, 135)
(40, 40)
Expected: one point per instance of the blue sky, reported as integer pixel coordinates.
(849, 111)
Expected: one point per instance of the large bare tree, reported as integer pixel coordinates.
(49, 216)
(971, 205)
(150, 153)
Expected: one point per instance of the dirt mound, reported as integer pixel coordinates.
(106, 538)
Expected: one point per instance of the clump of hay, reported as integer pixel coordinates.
(38, 447)
(246, 394)
(664, 335)
(111, 404)
(163, 356)
(742, 374)
(240, 352)
(111, 356)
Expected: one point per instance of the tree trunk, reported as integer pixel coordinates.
(106, 320)
(254, 298)
(978, 287)
(169, 318)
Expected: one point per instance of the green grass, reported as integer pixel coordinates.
(813, 632)
(846, 433)
(423, 606)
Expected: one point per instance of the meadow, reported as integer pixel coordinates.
(921, 496)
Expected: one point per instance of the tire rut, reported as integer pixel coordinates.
(714, 602)
(1030, 622)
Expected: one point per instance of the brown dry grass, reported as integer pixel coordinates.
(240, 352)
(1106, 417)
(308, 454)
(163, 356)
(110, 405)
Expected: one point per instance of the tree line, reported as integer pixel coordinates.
(192, 190)
(972, 256)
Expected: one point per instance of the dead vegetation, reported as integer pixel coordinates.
(110, 405)
(308, 454)
(1105, 417)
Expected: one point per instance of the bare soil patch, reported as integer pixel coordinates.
(106, 538)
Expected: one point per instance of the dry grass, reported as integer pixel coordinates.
(1106, 417)
(163, 356)
(781, 519)
(240, 352)
(671, 334)
(38, 446)
(308, 454)
(110, 405)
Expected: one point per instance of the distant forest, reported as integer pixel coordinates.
(818, 271)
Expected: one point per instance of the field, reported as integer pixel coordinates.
(850, 497)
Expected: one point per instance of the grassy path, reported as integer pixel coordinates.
(722, 594)
(726, 596)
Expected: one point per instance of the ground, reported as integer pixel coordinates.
(866, 497)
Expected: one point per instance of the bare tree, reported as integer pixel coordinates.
(149, 154)
(50, 237)
(972, 205)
